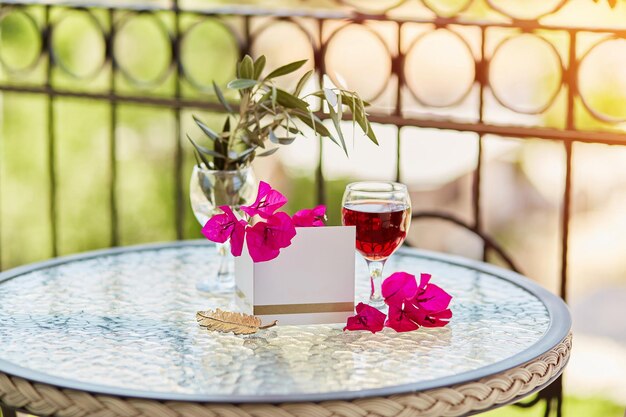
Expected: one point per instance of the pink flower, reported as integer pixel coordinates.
(267, 202)
(367, 318)
(265, 239)
(221, 227)
(431, 297)
(399, 287)
(412, 305)
(428, 318)
(310, 217)
(399, 320)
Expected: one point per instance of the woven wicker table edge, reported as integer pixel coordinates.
(462, 399)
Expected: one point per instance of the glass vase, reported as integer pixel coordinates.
(209, 189)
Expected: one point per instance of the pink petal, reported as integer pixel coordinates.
(237, 238)
(399, 320)
(399, 287)
(228, 211)
(310, 217)
(220, 226)
(258, 249)
(367, 318)
(265, 239)
(428, 318)
(281, 230)
(433, 298)
(267, 202)
(424, 279)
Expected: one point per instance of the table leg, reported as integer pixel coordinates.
(7, 412)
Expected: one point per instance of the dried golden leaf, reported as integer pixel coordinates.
(226, 321)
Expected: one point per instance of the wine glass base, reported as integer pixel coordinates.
(379, 304)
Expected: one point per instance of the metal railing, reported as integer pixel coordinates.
(322, 27)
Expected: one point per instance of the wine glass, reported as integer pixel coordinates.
(381, 212)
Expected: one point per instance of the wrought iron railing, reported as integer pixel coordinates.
(480, 53)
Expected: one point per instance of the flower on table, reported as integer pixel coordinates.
(399, 319)
(367, 318)
(268, 200)
(430, 297)
(427, 318)
(411, 306)
(314, 217)
(398, 287)
(222, 227)
(266, 239)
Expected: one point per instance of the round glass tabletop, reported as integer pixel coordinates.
(122, 322)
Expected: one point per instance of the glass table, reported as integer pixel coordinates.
(114, 333)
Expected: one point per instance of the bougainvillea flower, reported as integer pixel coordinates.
(399, 287)
(267, 202)
(399, 320)
(367, 318)
(428, 318)
(265, 239)
(430, 297)
(314, 217)
(237, 238)
(221, 227)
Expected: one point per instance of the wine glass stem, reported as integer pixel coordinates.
(222, 256)
(376, 278)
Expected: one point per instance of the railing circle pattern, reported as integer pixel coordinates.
(435, 57)
(526, 73)
(69, 50)
(132, 64)
(209, 41)
(342, 54)
(31, 58)
(602, 80)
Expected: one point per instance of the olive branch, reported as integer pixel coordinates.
(269, 116)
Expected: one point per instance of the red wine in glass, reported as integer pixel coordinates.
(381, 212)
(381, 226)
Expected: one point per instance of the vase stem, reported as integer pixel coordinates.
(223, 271)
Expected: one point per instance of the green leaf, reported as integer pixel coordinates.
(274, 98)
(207, 130)
(273, 137)
(302, 82)
(280, 141)
(285, 99)
(247, 67)
(370, 133)
(346, 98)
(226, 127)
(335, 118)
(313, 122)
(357, 107)
(245, 153)
(286, 140)
(265, 97)
(286, 69)
(220, 97)
(241, 83)
(205, 151)
(294, 130)
(200, 157)
(331, 97)
(268, 153)
(259, 64)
